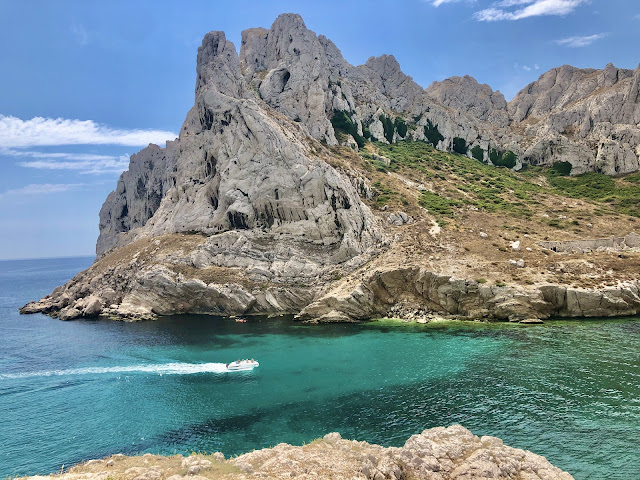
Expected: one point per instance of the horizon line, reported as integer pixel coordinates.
(46, 258)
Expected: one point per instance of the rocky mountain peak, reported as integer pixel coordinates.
(287, 22)
(609, 75)
(385, 74)
(218, 66)
(586, 117)
(305, 77)
(252, 51)
(289, 66)
(386, 66)
(289, 39)
(467, 95)
(239, 168)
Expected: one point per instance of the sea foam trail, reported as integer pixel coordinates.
(159, 369)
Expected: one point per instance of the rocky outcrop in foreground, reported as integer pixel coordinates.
(435, 454)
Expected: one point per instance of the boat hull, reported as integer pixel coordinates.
(241, 367)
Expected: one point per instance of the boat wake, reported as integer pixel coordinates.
(159, 369)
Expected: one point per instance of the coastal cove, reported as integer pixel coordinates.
(72, 391)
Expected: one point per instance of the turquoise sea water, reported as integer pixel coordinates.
(71, 391)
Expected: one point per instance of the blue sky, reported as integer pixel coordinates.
(84, 84)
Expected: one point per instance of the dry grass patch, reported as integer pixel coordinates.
(147, 249)
(120, 467)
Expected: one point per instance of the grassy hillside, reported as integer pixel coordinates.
(482, 211)
(450, 183)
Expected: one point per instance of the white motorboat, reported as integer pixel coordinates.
(242, 365)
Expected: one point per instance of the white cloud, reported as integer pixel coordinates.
(492, 15)
(39, 131)
(110, 165)
(580, 41)
(437, 3)
(40, 189)
(511, 3)
(533, 8)
(526, 68)
(81, 162)
(80, 34)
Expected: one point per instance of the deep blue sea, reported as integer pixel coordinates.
(71, 391)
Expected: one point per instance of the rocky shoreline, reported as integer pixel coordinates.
(418, 293)
(132, 290)
(452, 453)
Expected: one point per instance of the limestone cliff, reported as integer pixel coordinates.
(467, 95)
(305, 77)
(236, 166)
(274, 197)
(589, 118)
(438, 453)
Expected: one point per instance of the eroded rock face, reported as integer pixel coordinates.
(297, 73)
(305, 77)
(385, 74)
(236, 167)
(589, 118)
(558, 88)
(467, 95)
(452, 453)
(381, 289)
(138, 194)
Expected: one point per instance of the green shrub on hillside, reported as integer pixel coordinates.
(437, 204)
(460, 145)
(478, 153)
(366, 132)
(563, 168)
(509, 159)
(388, 126)
(401, 126)
(503, 159)
(342, 122)
(622, 196)
(432, 133)
(633, 178)
(479, 184)
(494, 156)
(468, 182)
(383, 194)
(594, 186)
